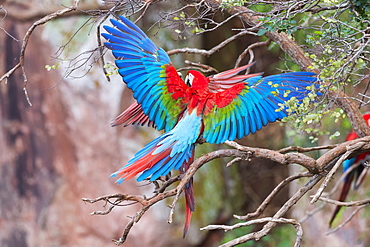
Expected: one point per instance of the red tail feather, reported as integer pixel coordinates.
(188, 215)
(146, 162)
(189, 197)
(343, 195)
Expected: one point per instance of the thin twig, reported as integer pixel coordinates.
(272, 195)
(346, 204)
(330, 175)
(342, 177)
(204, 67)
(296, 225)
(248, 50)
(270, 225)
(346, 221)
(211, 51)
(311, 213)
(248, 223)
(26, 37)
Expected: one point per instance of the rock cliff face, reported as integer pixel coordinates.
(60, 150)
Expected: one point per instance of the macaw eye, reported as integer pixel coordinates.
(189, 79)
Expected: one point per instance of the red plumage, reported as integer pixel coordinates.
(144, 163)
(133, 115)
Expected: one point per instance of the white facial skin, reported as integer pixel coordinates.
(189, 79)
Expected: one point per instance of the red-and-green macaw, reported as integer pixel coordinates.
(217, 108)
(358, 173)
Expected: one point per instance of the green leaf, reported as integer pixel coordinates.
(261, 32)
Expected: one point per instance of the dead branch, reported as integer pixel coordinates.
(312, 212)
(249, 50)
(346, 204)
(270, 225)
(305, 150)
(341, 179)
(285, 159)
(350, 150)
(203, 67)
(213, 50)
(347, 220)
(25, 11)
(296, 225)
(342, 148)
(241, 152)
(272, 195)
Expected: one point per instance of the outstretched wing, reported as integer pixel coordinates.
(246, 107)
(148, 72)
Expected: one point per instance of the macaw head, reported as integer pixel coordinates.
(189, 79)
(196, 80)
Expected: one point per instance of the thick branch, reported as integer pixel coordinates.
(342, 148)
(285, 159)
(353, 113)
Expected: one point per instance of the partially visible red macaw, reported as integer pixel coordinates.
(358, 173)
(218, 108)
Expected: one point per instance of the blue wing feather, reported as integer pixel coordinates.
(142, 66)
(125, 54)
(257, 105)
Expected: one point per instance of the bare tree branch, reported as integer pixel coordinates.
(296, 225)
(285, 159)
(213, 50)
(243, 153)
(270, 225)
(305, 150)
(250, 51)
(42, 21)
(347, 220)
(272, 195)
(350, 150)
(346, 204)
(26, 11)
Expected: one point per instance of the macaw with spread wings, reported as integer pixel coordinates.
(221, 107)
(358, 174)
